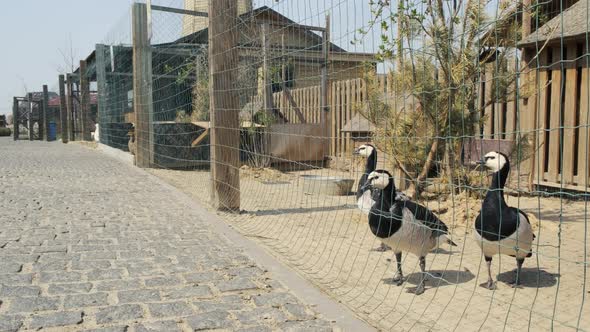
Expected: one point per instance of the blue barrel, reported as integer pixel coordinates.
(52, 132)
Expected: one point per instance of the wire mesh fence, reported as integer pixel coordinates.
(281, 114)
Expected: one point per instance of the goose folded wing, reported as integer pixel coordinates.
(426, 217)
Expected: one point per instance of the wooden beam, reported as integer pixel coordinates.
(584, 131)
(569, 118)
(179, 11)
(555, 120)
(225, 123)
(70, 107)
(142, 87)
(44, 110)
(266, 82)
(200, 138)
(15, 119)
(30, 122)
(85, 102)
(325, 108)
(63, 110)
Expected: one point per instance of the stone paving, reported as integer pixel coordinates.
(90, 244)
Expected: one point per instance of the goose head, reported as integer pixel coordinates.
(380, 179)
(495, 161)
(365, 150)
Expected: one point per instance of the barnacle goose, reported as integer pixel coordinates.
(499, 228)
(404, 225)
(364, 197)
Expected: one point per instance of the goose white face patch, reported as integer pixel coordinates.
(494, 161)
(379, 180)
(365, 150)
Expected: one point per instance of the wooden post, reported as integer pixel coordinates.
(142, 87)
(63, 109)
(30, 123)
(70, 107)
(101, 84)
(15, 119)
(44, 123)
(225, 134)
(85, 101)
(267, 85)
(324, 119)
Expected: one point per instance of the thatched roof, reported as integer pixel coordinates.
(576, 22)
(358, 124)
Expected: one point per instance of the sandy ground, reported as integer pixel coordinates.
(327, 240)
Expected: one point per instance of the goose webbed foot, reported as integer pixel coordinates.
(490, 284)
(418, 289)
(398, 279)
(382, 248)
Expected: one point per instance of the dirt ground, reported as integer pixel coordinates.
(327, 240)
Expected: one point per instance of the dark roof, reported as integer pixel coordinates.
(202, 36)
(576, 22)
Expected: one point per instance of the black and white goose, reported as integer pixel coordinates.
(363, 194)
(404, 225)
(364, 197)
(499, 228)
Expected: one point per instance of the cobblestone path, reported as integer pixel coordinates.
(87, 243)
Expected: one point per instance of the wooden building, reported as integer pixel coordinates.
(558, 111)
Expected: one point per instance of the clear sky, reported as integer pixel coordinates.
(36, 34)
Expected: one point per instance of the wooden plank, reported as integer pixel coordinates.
(338, 111)
(480, 102)
(63, 110)
(333, 119)
(542, 108)
(200, 138)
(510, 121)
(44, 110)
(584, 131)
(489, 109)
(348, 115)
(85, 102)
(142, 88)
(555, 121)
(267, 88)
(324, 84)
(70, 107)
(225, 134)
(15, 119)
(569, 118)
(179, 11)
(30, 122)
(498, 121)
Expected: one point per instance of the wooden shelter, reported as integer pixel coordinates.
(558, 111)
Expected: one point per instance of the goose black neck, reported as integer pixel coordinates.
(498, 182)
(388, 195)
(371, 164)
